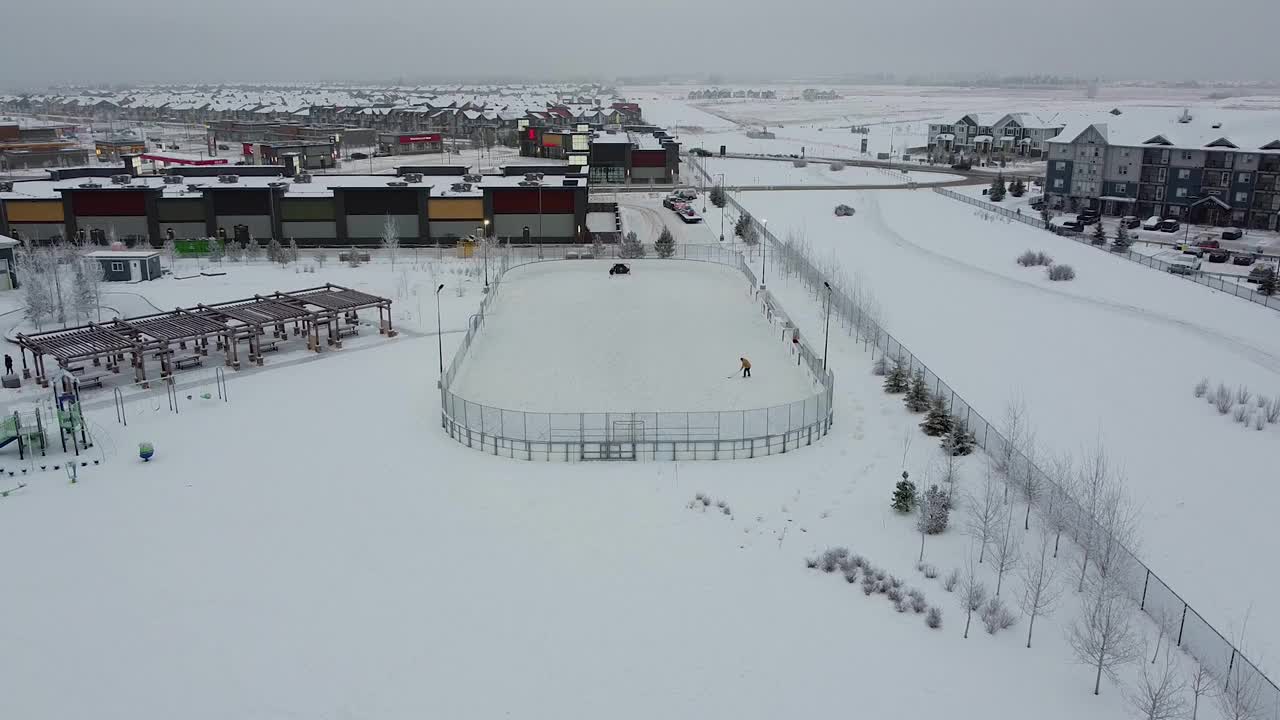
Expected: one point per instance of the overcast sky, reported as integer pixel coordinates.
(125, 41)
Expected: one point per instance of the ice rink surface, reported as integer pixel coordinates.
(568, 337)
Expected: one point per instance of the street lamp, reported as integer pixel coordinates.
(826, 332)
(764, 249)
(484, 239)
(439, 335)
(721, 209)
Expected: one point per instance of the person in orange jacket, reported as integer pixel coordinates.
(746, 367)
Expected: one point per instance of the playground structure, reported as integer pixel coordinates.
(180, 338)
(28, 429)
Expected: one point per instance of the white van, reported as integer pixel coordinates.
(1184, 265)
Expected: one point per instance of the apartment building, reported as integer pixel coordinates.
(1201, 170)
(982, 137)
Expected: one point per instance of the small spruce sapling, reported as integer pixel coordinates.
(1099, 234)
(665, 245)
(896, 381)
(904, 496)
(959, 441)
(938, 422)
(917, 398)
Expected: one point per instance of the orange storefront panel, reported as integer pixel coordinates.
(34, 210)
(455, 209)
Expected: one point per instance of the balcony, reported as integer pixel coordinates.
(1155, 157)
(1219, 161)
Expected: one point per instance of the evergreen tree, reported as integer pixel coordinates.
(935, 511)
(917, 398)
(938, 421)
(904, 496)
(274, 252)
(997, 191)
(631, 246)
(742, 226)
(215, 249)
(665, 245)
(1122, 241)
(252, 249)
(1099, 233)
(718, 197)
(896, 381)
(958, 441)
(293, 251)
(1267, 284)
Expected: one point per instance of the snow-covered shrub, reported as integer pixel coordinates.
(898, 380)
(1273, 409)
(800, 163)
(812, 562)
(934, 618)
(951, 580)
(851, 575)
(1033, 258)
(996, 617)
(868, 584)
(959, 441)
(720, 503)
(918, 604)
(881, 575)
(895, 581)
(833, 557)
(880, 367)
(894, 594)
(725, 510)
(1241, 414)
(1243, 396)
(938, 422)
(904, 496)
(858, 561)
(1061, 272)
(1262, 401)
(1222, 399)
(930, 571)
(918, 397)
(1259, 421)
(702, 498)
(901, 604)
(934, 511)
(837, 166)
(882, 586)
(1202, 387)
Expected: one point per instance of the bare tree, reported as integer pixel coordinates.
(1201, 684)
(37, 286)
(984, 513)
(390, 239)
(1240, 698)
(1117, 523)
(1006, 550)
(170, 251)
(1030, 481)
(1091, 489)
(1040, 586)
(1014, 429)
(1059, 512)
(972, 593)
(1160, 693)
(1102, 634)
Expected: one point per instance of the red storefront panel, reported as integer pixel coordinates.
(409, 139)
(525, 200)
(109, 203)
(648, 158)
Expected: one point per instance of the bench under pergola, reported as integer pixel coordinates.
(227, 323)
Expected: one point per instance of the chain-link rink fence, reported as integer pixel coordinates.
(1187, 628)
(634, 435)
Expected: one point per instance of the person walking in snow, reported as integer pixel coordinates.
(746, 367)
(8, 364)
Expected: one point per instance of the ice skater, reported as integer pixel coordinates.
(746, 367)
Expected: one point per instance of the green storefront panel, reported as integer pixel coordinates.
(306, 209)
(180, 210)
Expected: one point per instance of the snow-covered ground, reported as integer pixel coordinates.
(744, 172)
(1112, 355)
(569, 337)
(318, 547)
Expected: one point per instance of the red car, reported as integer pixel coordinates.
(1209, 244)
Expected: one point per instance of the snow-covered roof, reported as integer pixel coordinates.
(123, 254)
(7, 242)
(1247, 131)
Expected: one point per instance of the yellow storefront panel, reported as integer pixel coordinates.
(34, 210)
(455, 209)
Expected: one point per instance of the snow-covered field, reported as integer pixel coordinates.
(317, 547)
(743, 172)
(569, 337)
(1112, 355)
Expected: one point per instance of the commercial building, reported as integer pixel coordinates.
(982, 138)
(38, 146)
(1200, 170)
(321, 210)
(641, 156)
(295, 156)
(115, 147)
(230, 132)
(410, 143)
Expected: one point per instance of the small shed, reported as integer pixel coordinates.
(8, 263)
(128, 265)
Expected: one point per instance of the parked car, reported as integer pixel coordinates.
(1192, 250)
(223, 146)
(843, 211)
(1243, 259)
(1232, 234)
(687, 194)
(1184, 265)
(1089, 217)
(1129, 222)
(1219, 256)
(688, 215)
(358, 156)
(700, 152)
(1073, 225)
(669, 202)
(1152, 223)
(1037, 203)
(1208, 243)
(1169, 226)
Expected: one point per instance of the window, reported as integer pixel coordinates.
(1242, 197)
(1246, 158)
(1186, 154)
(1180, 192)
(1057, 183)
(117, 267)
(1061, 165)
(1244, 178)
(1124, 170)
(1159, 193)
(1183, 174)
(1121, 188)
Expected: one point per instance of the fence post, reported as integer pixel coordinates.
(1143, 605)
(1182, 624)
(1227, 684)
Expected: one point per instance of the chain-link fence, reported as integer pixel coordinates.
(1217, 282)
(635, 435)
(1188, 628)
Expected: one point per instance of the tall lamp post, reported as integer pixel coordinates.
(764, 249)
(826, 332)
(484, 238)
(439, 335)
(721, 209)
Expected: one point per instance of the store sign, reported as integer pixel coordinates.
(247, 149)
(408, 139)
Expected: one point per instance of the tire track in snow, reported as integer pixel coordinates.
(1257, 355)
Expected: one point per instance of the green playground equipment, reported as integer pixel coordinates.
(27, 429)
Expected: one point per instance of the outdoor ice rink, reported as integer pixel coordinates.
(568, 337)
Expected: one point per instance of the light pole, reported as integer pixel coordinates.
(764, 249)
(826, 332)
(439, 337)
(484, 239)
(721, 209)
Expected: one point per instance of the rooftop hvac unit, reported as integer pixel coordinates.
(6, 186)
(302, 178)
(529, 183)
(90, 185)
(228, 179)
(121, 179)
(278, 184)
(398, 183)
(569, 182)
(172, 179)
(193, 188)
(460, 187)
(413, 177)
(531, 176)
(471, 178)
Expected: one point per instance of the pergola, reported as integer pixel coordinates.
(227, 323)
